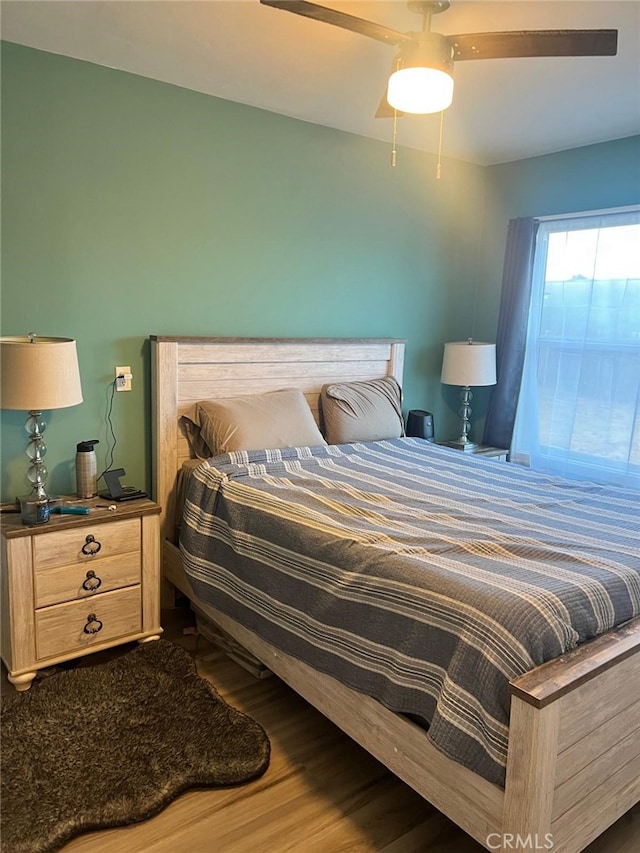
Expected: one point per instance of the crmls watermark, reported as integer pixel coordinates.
(509, 841)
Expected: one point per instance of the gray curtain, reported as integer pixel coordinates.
(512, 331)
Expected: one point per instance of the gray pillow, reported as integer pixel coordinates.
(370, 410)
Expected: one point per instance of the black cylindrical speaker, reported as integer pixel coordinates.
(420, 424)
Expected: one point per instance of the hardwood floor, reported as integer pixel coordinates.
(321, 793)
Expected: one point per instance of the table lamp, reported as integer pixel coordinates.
(467, 363)
(38, 374)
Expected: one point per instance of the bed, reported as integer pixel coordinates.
(573, 736)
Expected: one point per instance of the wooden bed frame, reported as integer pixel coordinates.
(574, 737)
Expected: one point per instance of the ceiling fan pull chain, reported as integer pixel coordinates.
(395, 122)
(395, 136)
(439, 165)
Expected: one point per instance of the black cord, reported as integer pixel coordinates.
(111, 450)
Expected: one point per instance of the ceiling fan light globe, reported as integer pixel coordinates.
(420, 90)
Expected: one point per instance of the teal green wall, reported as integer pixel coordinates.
(132, 207)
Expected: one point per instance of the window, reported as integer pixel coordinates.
(578, 411)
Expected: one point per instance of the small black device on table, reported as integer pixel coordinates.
(420, 424)
(117, 492)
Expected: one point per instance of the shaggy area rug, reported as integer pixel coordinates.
(112, 744)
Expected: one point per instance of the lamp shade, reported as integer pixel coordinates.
(422, 79)
(39, 374)
(420, 90)
(468, 363)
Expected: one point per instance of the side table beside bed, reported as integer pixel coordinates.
(78, 584)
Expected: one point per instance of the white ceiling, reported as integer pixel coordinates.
(502, 110)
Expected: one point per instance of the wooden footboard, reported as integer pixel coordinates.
(574, 742)
(574, 739)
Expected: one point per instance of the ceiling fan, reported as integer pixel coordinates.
(421, 80)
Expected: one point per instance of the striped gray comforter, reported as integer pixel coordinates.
(413, 573)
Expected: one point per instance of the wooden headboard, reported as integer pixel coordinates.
(185, 370)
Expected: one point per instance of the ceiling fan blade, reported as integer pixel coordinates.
(340, 19)
(535, 43)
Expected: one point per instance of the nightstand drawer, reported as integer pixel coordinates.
(68, 583)
(64, 548)
(75, 626)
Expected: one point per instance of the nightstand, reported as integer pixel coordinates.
(78, 584)
(497, 453)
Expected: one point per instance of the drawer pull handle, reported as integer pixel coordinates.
(91, 546)
(92, 583)
(93, 624)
